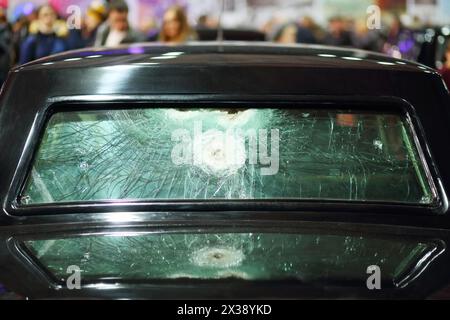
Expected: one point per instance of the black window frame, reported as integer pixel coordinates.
(375, 104)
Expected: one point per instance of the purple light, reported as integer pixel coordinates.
(28, 8)
(136, 50)
(406, 45)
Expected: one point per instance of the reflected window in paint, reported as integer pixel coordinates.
(305, 257)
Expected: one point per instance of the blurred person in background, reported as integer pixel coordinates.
(445, 70)
(85, 37)
(59, 26)
(271, 27)
(21, 30)
(207, 22)
(117, 30)
(150, 29)
(366, 39)
(45, 36)
(338, 34)
(5, 45)
(400, 42)
(202, 22)
(309, 31)
(304, 34)
(175, 27)
(286, 34)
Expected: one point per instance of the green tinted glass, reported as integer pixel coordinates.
(246, 256)
(159, 154)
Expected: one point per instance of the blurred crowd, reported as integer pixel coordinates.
(42, 32)
(392, 38)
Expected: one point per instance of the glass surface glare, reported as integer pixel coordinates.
(246, 256)
(342, 155)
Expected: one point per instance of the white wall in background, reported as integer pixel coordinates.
(241, 14)
(431, 11)
(348, 8)
(133, 15)
(235, 14)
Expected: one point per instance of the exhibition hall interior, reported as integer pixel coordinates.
(399, 28)
(224, 149)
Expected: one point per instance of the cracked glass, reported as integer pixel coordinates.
(237, 154)
(306, 257)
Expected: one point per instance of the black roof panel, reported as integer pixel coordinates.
(228, 53)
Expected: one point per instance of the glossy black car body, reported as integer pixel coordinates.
(205, 34)
(218, 75)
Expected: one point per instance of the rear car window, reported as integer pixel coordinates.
(237, 154)
(306, 257)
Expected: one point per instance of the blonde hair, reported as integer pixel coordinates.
(59, 26)
(185, 29)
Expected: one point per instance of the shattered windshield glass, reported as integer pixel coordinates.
(201, 154)
(305, 257)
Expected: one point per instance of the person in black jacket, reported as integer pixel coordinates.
(338, 35)
(116, 30)
(45, 40)
(5, 46)
(86, 36)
